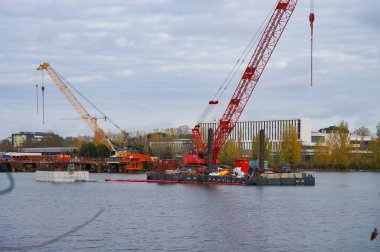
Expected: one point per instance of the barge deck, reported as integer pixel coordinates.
(277, 179)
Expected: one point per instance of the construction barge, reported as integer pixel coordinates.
(274, 179)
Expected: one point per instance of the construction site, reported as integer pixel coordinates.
(164, 125)
(201, 160)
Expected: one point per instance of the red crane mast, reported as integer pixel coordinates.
(268, 41)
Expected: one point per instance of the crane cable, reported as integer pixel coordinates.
(37, 89)
(210, 107)
(43, 97)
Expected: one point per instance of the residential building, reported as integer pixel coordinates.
(19, 139)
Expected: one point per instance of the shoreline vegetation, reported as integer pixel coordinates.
(312, 168)
(336, 151)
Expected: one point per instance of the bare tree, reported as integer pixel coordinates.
(183, 131)
(362, 131)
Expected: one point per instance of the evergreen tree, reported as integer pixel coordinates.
(90, 149)
(102, 151)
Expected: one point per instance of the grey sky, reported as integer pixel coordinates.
(156, 63)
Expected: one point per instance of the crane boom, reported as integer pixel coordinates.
(91, 121)
(255, 68)
(268, 41)
(252, 74)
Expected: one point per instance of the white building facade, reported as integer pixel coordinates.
(273, 129)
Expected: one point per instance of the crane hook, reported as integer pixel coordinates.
(43, 99)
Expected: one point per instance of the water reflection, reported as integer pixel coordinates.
(10, 179)
(45, 243)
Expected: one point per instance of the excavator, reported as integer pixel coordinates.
(125, 160)
(282, 11)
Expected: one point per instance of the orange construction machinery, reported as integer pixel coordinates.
(126, 160)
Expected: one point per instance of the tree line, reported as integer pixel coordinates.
(93, 147)
(336, 152)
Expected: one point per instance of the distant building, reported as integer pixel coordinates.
(179, 146)
(19, 139)
(357, 143)
(51, 150)
(273, 130)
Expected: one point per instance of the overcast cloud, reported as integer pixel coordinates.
(156, 63)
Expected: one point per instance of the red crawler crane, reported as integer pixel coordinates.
(248, 81)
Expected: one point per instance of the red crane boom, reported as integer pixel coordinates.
(268, 41)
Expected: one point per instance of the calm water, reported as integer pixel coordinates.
(338, 214)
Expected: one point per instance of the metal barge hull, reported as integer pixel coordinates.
(300, 179)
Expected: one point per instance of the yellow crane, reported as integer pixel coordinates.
(129, 160)
(90, 120)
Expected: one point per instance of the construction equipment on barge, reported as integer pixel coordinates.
(256, 66)
(275, 179)
(281, 179)
(207, 154)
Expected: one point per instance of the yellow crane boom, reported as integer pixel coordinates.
(90, 120)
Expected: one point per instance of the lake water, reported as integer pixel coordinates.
(338, 214)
